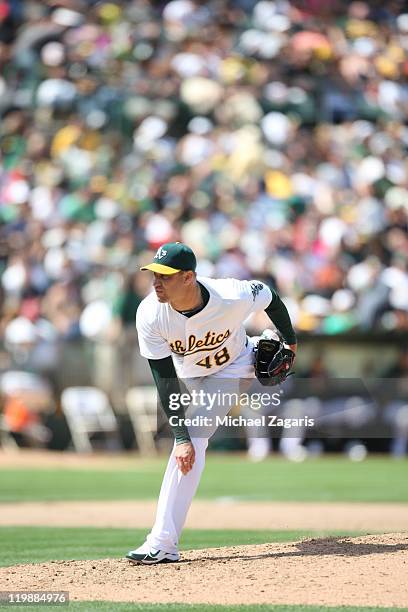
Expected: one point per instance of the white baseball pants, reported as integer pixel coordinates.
(177, 491)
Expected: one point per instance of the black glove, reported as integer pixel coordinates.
(273, 362)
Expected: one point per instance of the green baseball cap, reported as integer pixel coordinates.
(171, 258)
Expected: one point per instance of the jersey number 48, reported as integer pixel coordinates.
(218, 359)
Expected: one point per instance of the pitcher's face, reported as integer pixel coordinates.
(169, 286)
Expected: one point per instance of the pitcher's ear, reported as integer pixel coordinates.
(189, 276)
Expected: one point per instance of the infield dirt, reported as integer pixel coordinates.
(214, 514)
(365, 571)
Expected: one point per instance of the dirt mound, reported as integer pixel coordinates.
(331, 571)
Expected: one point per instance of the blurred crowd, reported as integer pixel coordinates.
(271, 136)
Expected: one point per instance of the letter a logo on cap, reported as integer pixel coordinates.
(160, 253)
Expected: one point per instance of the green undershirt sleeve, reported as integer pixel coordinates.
(278, 314)
(166, 380)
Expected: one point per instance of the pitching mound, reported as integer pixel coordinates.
(366, 571)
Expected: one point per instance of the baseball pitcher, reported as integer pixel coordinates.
(191, 329)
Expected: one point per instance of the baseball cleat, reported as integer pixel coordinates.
(152, 556)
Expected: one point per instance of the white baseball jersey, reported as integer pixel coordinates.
(209, 341)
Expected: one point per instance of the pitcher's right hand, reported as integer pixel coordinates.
(185, 457)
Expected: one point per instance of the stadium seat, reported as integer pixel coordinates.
(7, 442)
(88, 411)
(141, 403)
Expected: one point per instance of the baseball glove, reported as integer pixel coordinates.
(273, 362)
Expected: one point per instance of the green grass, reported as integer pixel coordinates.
(325, 479)
(214, 608)
(106, 606)
(40, 544)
